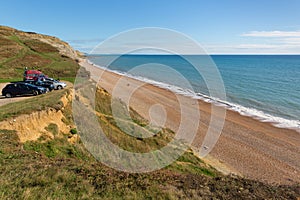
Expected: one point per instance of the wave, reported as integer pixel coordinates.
(276, 121)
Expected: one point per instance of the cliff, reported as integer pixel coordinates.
(20, 49)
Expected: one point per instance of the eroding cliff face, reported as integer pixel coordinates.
(31, 127)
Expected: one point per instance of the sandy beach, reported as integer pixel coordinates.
(248, 147)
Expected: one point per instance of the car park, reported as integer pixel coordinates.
(49, 86)
(21, 89)
(58, 85)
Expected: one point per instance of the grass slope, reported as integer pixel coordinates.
(33, 104)
(56, 169)
(18, 50)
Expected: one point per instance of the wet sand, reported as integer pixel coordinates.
(248, 147)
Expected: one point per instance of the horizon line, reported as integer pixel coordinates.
(215, 54)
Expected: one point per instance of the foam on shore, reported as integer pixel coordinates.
(245, 111)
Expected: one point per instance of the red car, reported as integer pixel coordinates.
(33, 75)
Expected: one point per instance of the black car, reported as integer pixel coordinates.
(48, 86)
(19, 89)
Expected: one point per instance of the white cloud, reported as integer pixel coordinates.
(264, 42)
(291, 40)
(255, 46)
(253, 49)
(84, 45)
(254, 42)
(272, 34)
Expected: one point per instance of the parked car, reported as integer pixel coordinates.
(49, 86)
(20, 89)
(32, 74)
(57, 84)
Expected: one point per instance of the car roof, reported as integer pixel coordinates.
(20, 83)
(33, 71)
(28, 84)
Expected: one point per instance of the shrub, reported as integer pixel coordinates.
(73, 131)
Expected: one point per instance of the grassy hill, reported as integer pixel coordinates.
(26, 49)
(56, 167)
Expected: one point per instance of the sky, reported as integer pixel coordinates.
(219, 26)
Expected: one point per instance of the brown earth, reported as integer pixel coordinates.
(33, 126)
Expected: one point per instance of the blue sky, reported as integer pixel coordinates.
(220, 26)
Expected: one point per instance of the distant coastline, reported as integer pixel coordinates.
(277, 121)
(257, 150)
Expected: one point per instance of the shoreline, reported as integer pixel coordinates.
(277, 121)
(247, 146)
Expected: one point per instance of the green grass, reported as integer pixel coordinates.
(73, 131)
(38, 103)
(10, 80)
(21, 52)
(117, 128)
(55, 169)
(69, 79)
(192, 167)
(58, 148)
(53, 128)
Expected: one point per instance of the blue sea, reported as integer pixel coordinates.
(266, 87)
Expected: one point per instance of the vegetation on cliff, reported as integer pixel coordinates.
(57, 165)
(53, 167)
(26, 49)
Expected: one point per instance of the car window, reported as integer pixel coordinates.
(9, 86)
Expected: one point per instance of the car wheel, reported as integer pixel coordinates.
(35, 93)
(59, 87)
(8, 95)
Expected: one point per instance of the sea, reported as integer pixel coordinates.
(265, 87)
